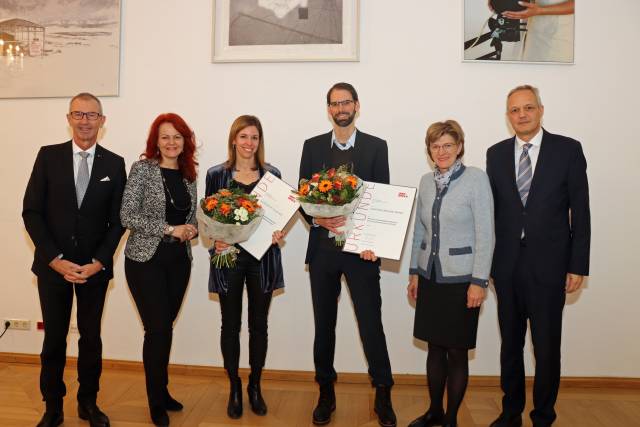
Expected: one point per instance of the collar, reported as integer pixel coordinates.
(351, 142)
(77, 149)
(535, 141)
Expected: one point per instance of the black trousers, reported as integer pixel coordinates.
(526, 298)
(56, 300)
(247, 270)
(158, 287)
(363, 279)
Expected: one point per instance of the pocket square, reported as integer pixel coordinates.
(105, 179)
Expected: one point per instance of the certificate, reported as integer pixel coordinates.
(380, 221)
(279, 205)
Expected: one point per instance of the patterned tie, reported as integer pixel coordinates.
(82, 182)
(524, 174)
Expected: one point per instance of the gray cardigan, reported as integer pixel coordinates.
(143, 210)
(453, 231)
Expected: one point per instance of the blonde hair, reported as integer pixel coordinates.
(448, 127)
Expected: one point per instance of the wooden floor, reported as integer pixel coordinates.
(123, 398)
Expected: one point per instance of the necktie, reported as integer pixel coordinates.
(524, 174)
(82, 182)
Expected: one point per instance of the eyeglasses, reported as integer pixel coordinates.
(526, 109)
(91, 115)
(345, 103)
(448, 148)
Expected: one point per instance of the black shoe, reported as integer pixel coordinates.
(159, 416)
(326, 405)
(382, 407)
(171, 404)
(428, 419)
(89, 411)
(234, 407)
(51, 419)
(506, 420)
(258, 406)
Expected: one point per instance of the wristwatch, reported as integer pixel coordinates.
(169, 229)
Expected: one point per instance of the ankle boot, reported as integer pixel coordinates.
(258, 405)
(234, 407)
(383, 408)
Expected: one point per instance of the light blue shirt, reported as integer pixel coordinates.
(351, 142)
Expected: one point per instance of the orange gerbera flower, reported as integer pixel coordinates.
(225, 209)
(304, 189)
(248, 206)
(325, 186)
(224, 192)
(353, 181)
(211, 204)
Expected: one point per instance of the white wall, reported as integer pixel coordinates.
(409, 75)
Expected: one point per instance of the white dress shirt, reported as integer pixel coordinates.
(77, 159)
(534, 150)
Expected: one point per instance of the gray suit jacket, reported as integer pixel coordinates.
(143, 210)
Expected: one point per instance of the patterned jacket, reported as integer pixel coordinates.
(271, 276)
(143, 210)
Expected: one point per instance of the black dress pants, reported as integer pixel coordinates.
(158, 287)
(56, 300)
(524, 298)
(247, 270)
(363, 279)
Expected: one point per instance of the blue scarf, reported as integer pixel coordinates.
(442, 179)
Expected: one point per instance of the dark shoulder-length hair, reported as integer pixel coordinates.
(238, 125)
(186, 160)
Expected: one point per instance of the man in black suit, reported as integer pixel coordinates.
(71, 210)
(542, 220)
(327, 263)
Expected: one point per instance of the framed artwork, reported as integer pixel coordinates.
(285, 30)
(53, 48)
(536, 31)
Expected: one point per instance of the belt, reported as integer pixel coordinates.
(169, 239)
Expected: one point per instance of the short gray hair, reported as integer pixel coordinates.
(86, 96)
(530, 88)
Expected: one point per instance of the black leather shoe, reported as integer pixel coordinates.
(159, 416)
(428, 419)
(258, 405)
(234, 407)
(51, 419)
(171, 404)
(326, 405)
(506, 420)
(382, 407)
(90, 412)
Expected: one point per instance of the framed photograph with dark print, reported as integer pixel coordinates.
(57, 48)
(285, 30)
(536, 31)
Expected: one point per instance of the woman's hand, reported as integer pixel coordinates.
(332, 224)
(368, 255)
(475, 296)
(184, 232)
(277, 236)
(412, 287)
(220, 246)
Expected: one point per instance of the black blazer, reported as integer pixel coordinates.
(56, 224)
(556, 218)
(371, 163)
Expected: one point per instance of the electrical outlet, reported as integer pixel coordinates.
(21, 324)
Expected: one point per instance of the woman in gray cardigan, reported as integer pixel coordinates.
(453, 241)
(158, 207)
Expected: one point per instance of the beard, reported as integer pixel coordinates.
(345, 121)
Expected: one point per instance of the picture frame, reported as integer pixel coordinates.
(285, 30)
(499, 36)
(48, 49)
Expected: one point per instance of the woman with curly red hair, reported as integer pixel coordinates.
(158, 207)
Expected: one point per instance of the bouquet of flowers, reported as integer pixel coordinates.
(329, 193)
(230, 216)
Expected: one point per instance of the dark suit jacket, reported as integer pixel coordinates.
(556, 218)
(56, 224)
(371, 163)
